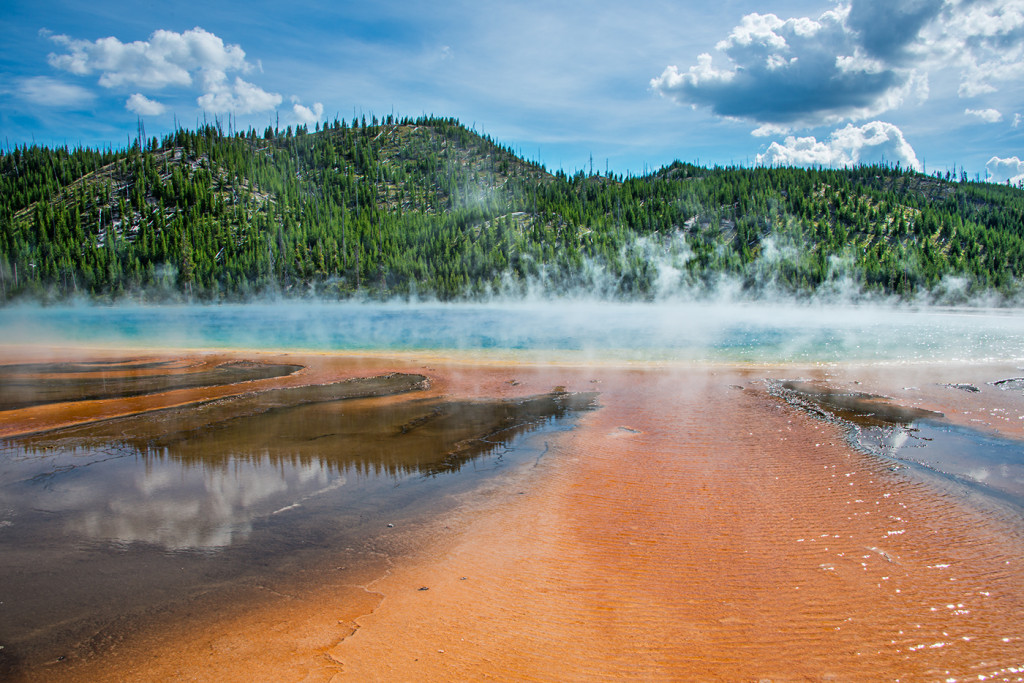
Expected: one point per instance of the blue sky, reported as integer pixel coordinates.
(931, 84)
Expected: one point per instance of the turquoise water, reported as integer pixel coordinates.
(678, 331)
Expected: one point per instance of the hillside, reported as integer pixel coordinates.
(429, 208)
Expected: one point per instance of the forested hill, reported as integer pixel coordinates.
(429, 208)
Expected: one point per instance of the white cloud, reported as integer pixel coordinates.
(874, 142)
(802, 151)
(973, 88)
(989, 115)
(1002, 170)
(167, 58)
(143, 106)
(49, 92)
(194, 58)
(803, 71)
(984, 39)
(241, 97)
(1016, 120)
(306, 115)
(769, 129)
(859, 59)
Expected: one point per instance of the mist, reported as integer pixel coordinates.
(719, 330)
(645, 304)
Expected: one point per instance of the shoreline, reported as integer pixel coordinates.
(676, 532)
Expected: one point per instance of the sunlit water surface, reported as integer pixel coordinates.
(751, 332)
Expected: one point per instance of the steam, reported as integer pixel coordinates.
(659, 297)
(663, 269)
(718, 330)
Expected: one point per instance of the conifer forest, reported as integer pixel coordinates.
(427, 208)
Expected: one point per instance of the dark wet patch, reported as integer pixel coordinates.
(964, 387)
(75, 367)
(855, 407)
(108, 525)
(159, 427)
(1009, 384)
(978, 461)
(32, 384)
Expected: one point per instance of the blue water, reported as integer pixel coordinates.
(684, 331)
(985, 460)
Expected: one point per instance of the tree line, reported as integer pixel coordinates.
(426, 207)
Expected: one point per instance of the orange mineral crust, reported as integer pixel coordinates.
(696, 530)
(61, 411)
(694, 527)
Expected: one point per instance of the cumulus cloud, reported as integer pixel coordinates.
(1003, 170)
(194, 58)
(49, 92)
(985, 39)
(886, 28)
(306, 115)
(875, 142)
(853, 62)
(989, 115)
(167, 58)
(143, 106)
(804, 71)
(241, 97)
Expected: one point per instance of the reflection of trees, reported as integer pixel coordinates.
(427, 436)
(198, 477)
(303, 426)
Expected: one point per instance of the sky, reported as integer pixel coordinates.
(935, 85)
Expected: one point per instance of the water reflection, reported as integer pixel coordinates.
(197, 478)
(178, 507)
(107, 521)
(986, 462)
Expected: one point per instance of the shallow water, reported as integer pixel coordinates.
(983, 461)
(29, 384)
(104, 523)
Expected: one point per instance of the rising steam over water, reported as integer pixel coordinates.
(705, 331)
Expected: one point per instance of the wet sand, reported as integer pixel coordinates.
(695, 527)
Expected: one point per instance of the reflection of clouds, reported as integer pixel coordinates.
(152, 481)
(897, 439)
(979, 474)
(179, 507)
(988, 460)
